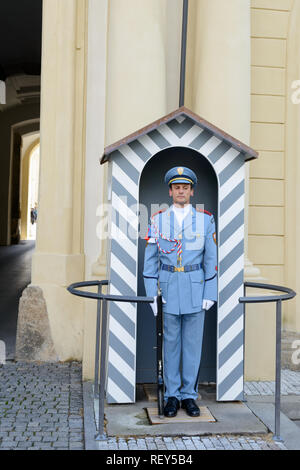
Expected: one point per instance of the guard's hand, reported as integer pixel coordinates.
(154, 305)
(207, 304)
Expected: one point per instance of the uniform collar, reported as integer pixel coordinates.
(187, 221)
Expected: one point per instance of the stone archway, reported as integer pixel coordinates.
(14, 122)
(25, 177)
(15, 187)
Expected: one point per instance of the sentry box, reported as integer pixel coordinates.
(137, 165)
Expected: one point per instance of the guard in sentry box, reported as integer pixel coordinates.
(181, 256)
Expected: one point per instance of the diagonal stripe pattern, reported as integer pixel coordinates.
(127, 164)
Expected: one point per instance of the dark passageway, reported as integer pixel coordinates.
(15, 275)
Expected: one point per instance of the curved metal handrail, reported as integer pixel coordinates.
(73, 289)
(289, 294)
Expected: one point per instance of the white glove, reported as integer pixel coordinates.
(207, 304)
(154, 305)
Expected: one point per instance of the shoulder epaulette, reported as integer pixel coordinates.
(203, 210)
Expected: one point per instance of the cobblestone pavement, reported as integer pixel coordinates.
(41, 406)
(290, 385)
(193, 443)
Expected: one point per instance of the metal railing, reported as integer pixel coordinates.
(289, 294)
(102, 299)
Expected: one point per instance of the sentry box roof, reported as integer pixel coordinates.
(169, 120)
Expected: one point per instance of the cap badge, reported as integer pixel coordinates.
(180, 171)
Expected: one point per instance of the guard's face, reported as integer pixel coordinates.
(181, 193)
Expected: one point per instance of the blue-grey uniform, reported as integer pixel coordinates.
(183, 260)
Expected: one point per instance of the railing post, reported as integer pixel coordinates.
(101, 344)
(278, 371)
(244, 340)
(290, 294)
(96, 378)
(101, 433)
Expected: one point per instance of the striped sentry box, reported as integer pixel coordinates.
(127, 159)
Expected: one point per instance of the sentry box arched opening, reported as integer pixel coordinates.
(137, 165)
(153, 195)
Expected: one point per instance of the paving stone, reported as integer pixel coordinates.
(141, 444)
(24, 445)
(254, 445)
(132, 445)
(179, 444)
(188, 443)
(8, 444)
(217, 443)
(39, 405)
(150, 443)
(76, 446)
(208, 444)
(61, 445)
(198, 443)
(160, 443)
(169, 443)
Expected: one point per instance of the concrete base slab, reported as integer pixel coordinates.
(230, 418)
(289, 431)
(289, 405)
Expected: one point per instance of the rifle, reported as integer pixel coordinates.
(159, 355)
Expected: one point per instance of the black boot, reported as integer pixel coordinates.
(190, 406)
(171, 407)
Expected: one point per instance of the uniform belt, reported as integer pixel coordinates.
(186, 269)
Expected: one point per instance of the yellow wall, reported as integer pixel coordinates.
(218, 65)
(115, 65)
(274, 133)
(292, 175)
(269, 30)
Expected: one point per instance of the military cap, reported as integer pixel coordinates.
(180, 174)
